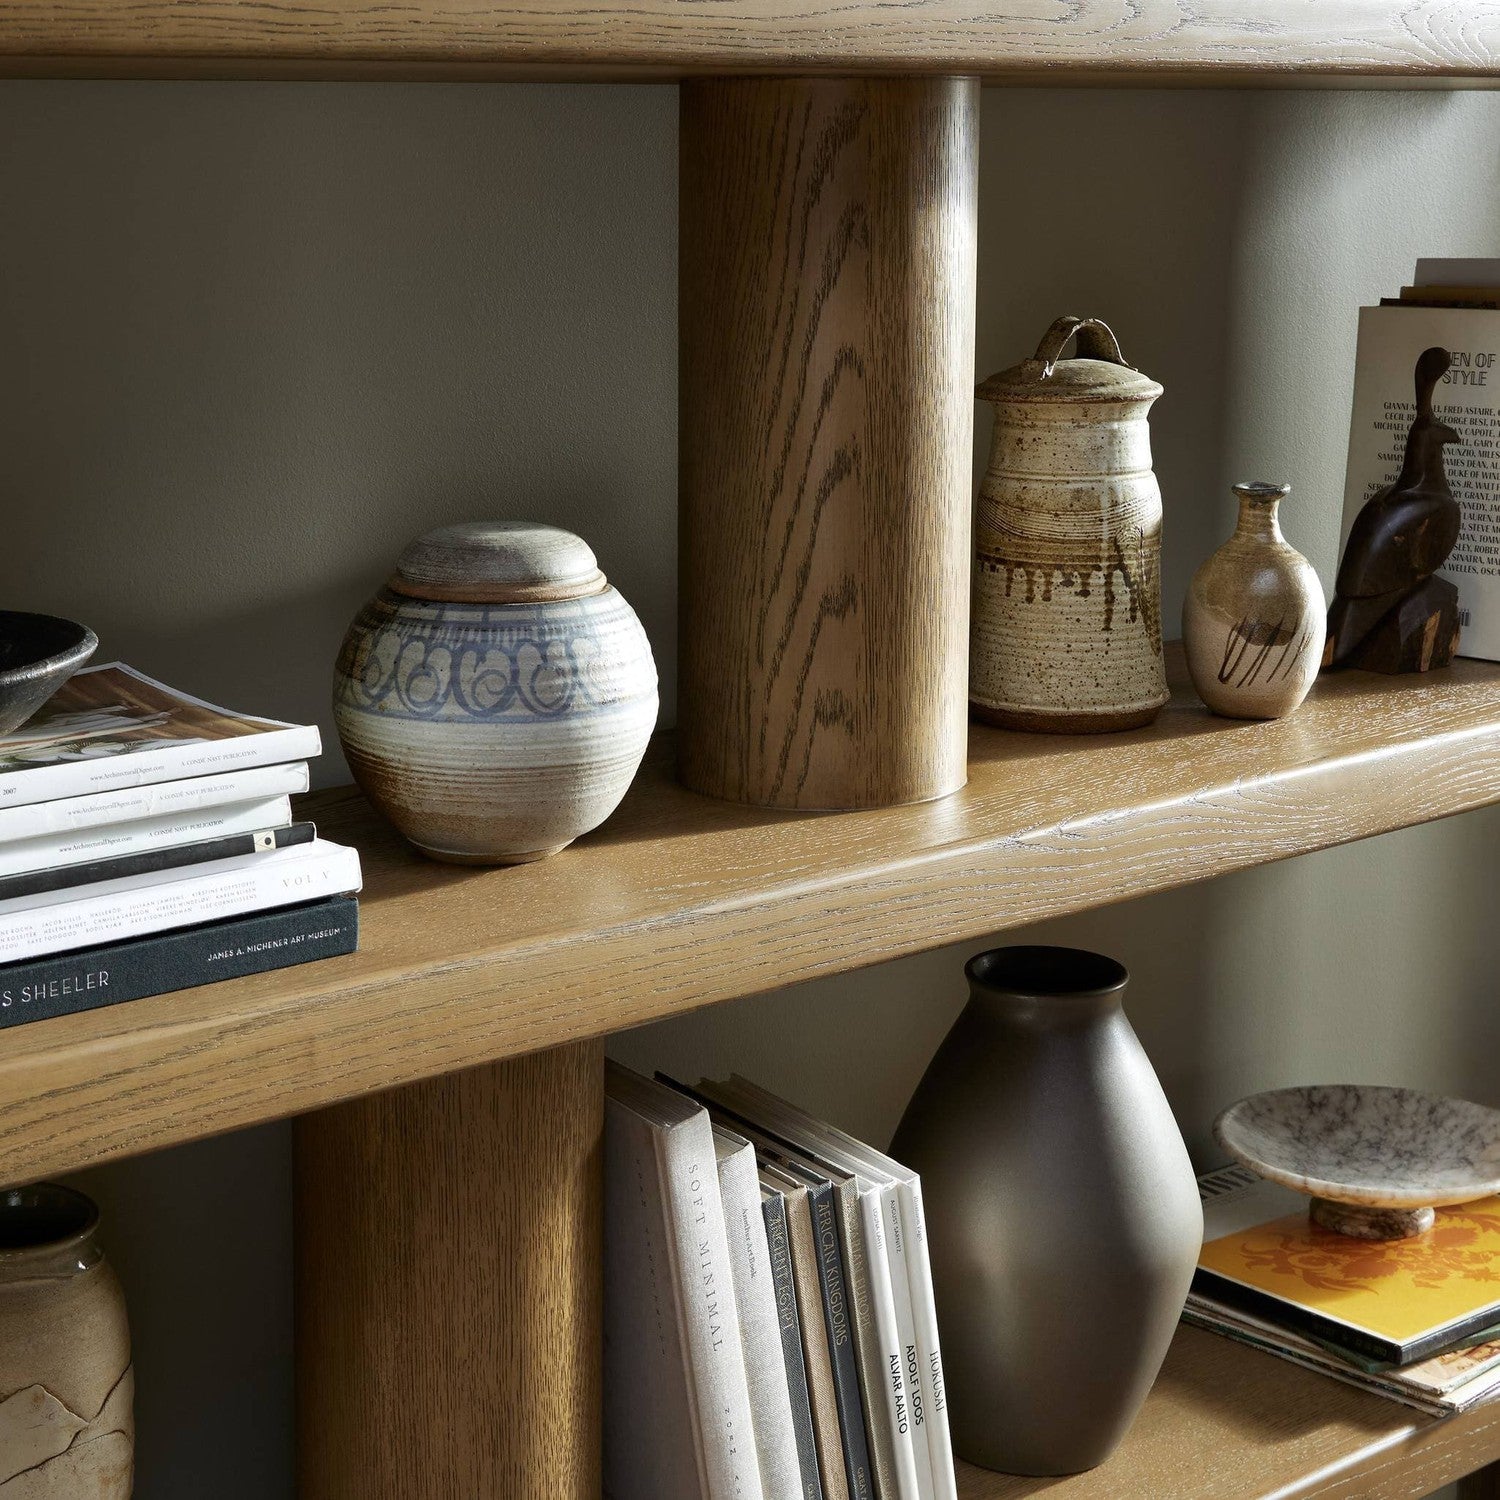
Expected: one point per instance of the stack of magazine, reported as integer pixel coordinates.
(147, 844)
(769, 1323)
(1415, 1320)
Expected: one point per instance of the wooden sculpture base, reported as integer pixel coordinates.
(448, 1286)
(1363, 1223)
(1415, 634)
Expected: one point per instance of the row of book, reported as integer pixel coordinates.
(147, 844)
(770, 1332)
(1414, 1320)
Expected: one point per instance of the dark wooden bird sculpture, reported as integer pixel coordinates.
(1390, 613)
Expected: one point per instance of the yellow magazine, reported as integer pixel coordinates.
(1398, 1300)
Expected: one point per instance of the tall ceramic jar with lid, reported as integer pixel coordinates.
(1067, 576)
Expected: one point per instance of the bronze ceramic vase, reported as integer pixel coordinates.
(1253, 617)
(67, 1429)
(1063, 1217)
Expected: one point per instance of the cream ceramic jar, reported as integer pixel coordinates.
(1066, 626)
(494, 700)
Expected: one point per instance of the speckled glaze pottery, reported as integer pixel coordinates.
(1066, 623)
(67, 1387)
(1063, 1219)
(1254, 616)
(495, 698)
(1376, 1161)
(38, 653)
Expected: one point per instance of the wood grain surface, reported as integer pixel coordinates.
(827, 251)
(680, 901)
(1230, 1423)
(1047, 39)
(449, 1289)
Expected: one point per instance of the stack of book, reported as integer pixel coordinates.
(769, 1324)
(147, 844)
(1415, 1320)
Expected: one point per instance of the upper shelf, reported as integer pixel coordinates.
(1054, 40)
(680, 901)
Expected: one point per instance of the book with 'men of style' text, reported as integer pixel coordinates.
(109, 728)
(59, 985)
(1399, 1301)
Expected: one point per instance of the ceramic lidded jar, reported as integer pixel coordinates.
(67, 1386)
(495, 698)
(1066, 628)
(1254, 616)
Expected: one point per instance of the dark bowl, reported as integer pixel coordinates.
(38, 653)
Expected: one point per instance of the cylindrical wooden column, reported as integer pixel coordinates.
(449, 1287)
(826, 417)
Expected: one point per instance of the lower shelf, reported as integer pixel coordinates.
(1230, 1423)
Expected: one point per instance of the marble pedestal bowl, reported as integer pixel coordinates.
(1375, 1161)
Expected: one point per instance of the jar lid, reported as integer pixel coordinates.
(498, 562)
(1097, 373)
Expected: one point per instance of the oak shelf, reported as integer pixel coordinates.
(1207, 41)
(681, 901)
(1229, 1423)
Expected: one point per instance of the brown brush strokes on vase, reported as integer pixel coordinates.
(1252, 620)
(1391, 613)
(1066, 627)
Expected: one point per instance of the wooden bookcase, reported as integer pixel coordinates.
(446, 1079)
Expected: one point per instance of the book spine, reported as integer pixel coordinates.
(177, 960)
(789, 1326)
(160, 799)
(845, 1358)
(929, 1348)
(817, 1342)
(259, 838)
(650, 1444)
(887, 1410)
(760, 1328)
(315, 870)
(708, 1311)
(906, 1335)
(175, 761)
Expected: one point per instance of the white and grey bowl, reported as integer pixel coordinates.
(1376, 1161)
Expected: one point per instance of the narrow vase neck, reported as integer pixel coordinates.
(1259, 519)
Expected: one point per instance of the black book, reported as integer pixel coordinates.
(152, 861)
(833, 1283)
(773, 1207)
(38, 989)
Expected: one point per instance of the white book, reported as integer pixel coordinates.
(110, 727)
(162, 799)
(52, 852)
(1390, 341)
(113, 910)
(830, 1143)
(652, 1414)
(760, 1320)
(1480, 271)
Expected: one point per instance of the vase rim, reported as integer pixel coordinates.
(45, 1216)
(1043, 971)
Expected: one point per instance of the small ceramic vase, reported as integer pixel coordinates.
(494, 700)
(1254, 616)
(1063, 1219)
(1066, 624)
(67, 1387)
